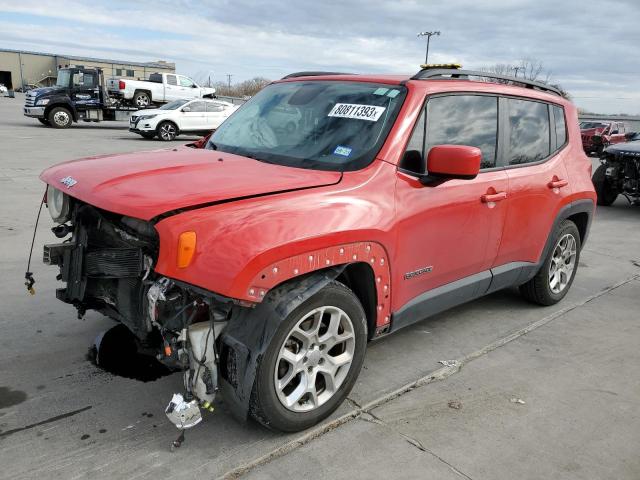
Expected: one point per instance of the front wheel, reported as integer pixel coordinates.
(312, 361)
(167, 131)
(553, 280)
(606, 192)
(60, 117)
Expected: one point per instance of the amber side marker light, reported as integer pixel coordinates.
(186, 248)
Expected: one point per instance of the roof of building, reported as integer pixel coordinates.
(92, 59)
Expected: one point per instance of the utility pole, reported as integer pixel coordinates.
(428, 35)
(229, 75)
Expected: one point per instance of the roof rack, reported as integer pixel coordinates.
(313, 74)
(452, 74)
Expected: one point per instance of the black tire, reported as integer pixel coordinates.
(44, 121)
(148, 135)
(60, 117)
(606, 192)
(167, 131)
(265, 405)
(538, 289)
(141, 99)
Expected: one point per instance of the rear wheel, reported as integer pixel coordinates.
(312, 361)
(44, 121)
(606, 192)
(167, 131)
(60, 117)
(553, 280)
(141, 99)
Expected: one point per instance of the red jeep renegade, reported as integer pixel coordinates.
(327, 211)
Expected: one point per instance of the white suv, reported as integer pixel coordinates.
(180, 116)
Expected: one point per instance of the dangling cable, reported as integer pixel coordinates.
(29, 275)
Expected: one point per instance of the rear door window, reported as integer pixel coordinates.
(464, 120)
(529, 136)
(171, 80)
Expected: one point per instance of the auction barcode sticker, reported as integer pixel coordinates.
(353, 110)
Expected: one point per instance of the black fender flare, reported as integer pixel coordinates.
(249, 333)
(578, 206)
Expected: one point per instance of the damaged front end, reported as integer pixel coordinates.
(107, 263)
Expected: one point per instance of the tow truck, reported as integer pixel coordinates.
(79, 94)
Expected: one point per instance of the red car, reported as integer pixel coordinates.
(596, 136)
(262, 264)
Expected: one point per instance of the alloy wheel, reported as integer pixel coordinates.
(142, 101)
(563, 262)
(314, 359)
(167, 131)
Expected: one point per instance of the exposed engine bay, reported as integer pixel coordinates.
(107, 263)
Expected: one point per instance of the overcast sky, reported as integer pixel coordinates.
(590, 48)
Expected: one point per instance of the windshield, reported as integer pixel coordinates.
(324, 125)
(174, 105)
(63, 78)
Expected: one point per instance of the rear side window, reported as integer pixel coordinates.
(156, 78)
(529, 131)
(464, 120)
(171, 80)
(561, 126)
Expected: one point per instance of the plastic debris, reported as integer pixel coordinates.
(449, 363)
(455, 404)
(518, 401)
(183, 414)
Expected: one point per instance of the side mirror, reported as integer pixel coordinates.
(194, 86)
(454, 161)
(186, 109)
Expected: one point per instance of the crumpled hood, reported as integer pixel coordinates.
(147, 184)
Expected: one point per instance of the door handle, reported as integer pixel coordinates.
(557, 183)
(493, 197)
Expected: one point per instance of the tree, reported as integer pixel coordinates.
(248, 88)
(528, 69)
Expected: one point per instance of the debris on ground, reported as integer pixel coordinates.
(449, 363)
(455, 404)
(518, 400)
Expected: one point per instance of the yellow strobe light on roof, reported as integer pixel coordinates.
(452, 66)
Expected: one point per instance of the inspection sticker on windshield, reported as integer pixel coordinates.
(342, 151)
(353, 110)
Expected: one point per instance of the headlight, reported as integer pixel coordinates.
(58, 205)
(147, 117)
(42, 101)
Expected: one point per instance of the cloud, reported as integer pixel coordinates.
(573, 39)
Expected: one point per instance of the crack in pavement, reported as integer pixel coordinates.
(437, 375)
(372, 418)
(44, 422)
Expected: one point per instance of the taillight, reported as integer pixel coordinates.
(121, 85)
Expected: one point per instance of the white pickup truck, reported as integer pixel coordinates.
(160, 88)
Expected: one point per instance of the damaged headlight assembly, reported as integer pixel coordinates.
(58, 204)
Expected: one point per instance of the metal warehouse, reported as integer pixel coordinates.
(19, 68)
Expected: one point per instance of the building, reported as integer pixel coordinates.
(19, 68)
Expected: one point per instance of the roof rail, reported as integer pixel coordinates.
(451, 74)
(313, 74)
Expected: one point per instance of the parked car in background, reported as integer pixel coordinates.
(619, 173)
(160, 88)
(596, 136)
(181, 116)
(261, 264)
